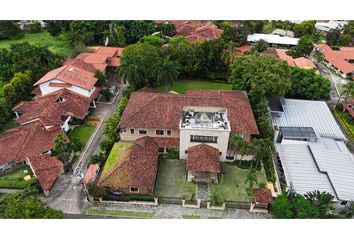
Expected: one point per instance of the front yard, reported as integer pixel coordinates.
(181, 86)
(232, 186)
(171, 180)
(15, 179)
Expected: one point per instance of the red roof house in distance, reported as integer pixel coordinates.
(102, 57)
(70, 77)
(243, 49)
(341, 60)
(91, 173)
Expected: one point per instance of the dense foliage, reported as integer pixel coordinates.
(26, 205)
(304, 48)
(10, 30)
(306, 84)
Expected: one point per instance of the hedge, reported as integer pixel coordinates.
(132, 197)
(344, 123)
(17, 184)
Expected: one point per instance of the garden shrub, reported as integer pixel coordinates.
(17, 184)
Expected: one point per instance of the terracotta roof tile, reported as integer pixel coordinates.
(138, 168)
(79, 63)
(90, 173)
(203, 158)
(262, 195)
(24, 141)
(164, 110)
(71, 75)
(167, 142)
(46, 169)
(49, 111)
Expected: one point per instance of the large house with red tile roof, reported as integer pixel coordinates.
(341, 60)
(184, 121)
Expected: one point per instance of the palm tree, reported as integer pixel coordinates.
(130, 73)
(252, 178)
(348, 91)
(229, 54)
(322, 200)
(241, 144)
(167, 72)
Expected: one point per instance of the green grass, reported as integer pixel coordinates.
(55, 44)
(119, 213)
(171, 180)
(190, 216)
(232, 186)
(18, 174)
(181, 86)
(9, 125)
(116, 155)
(83, 133)
(346, 121)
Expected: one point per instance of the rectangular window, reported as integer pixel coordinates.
(159, 132)
(169, 132)
(135, 190)
(132, 131)
(186, 151)
(206, 139)
(142, 131)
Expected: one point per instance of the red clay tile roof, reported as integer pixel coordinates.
(49, 111)
(46, 169)
(187, 28)
(24, 141)
(91, 171)
(245, 48)
(164, 110)
(37, 91)
(146, 89)
(262, 195)
(209, 32)
(203, 158)
(79, 63)
(101, 57)
(338, 58)
(138, 168)
(304, 62)
(71, 75)
(198, 30)
(301, 62)
(167, 142)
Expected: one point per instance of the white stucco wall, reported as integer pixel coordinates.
(46, 89)
(185, 143)
(127, 136)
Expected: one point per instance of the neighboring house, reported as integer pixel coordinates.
(300, 62)
(273, 39)
(243, 49)
(91, 173)
(72, 78)
(102, 58)
(54, 109)
(312, 148)
(328, 25)
(283, 33)
(135, 172)
(341, 60)
(183, 121)
(28, 140)
(46, 169)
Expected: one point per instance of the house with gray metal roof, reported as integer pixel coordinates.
(312, 148)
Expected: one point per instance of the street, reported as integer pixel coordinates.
(67, 194)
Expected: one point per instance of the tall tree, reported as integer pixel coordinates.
(261, 76)
(18, 88)
(167, 72)
(305, 28)
(322, 200)
(251, 178)
(134, 30)
(229, 54)
(261, 46)
(10, 30)
(167, 29)
(235, 34)
(130, 73)
(333, 37)
(155, 41)
(306, 84)
(304, 48)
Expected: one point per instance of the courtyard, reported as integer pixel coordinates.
(171, 180)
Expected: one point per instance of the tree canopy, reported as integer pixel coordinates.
(306, 84)
(304, 48)
(260, 76)
(237, 35)
(10, 30)
(333, 37)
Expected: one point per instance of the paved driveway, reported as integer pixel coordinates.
(66, 194)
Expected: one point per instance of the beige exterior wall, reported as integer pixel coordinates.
(151, 132)
(185, 143)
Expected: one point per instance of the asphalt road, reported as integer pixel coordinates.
(67, 194)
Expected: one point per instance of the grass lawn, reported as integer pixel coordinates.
(119, 213)
(83, 133)
(116, 155)
(171, 180)
(18, 174)
(232, 186)
(191, 216)
(181, 86)
(9, 125)
(346, 121)
(340, 87)
(55, 44)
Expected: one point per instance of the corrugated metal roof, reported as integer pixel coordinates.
(339, 167)
(304, 113)
(272, 38)
(300, 169)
